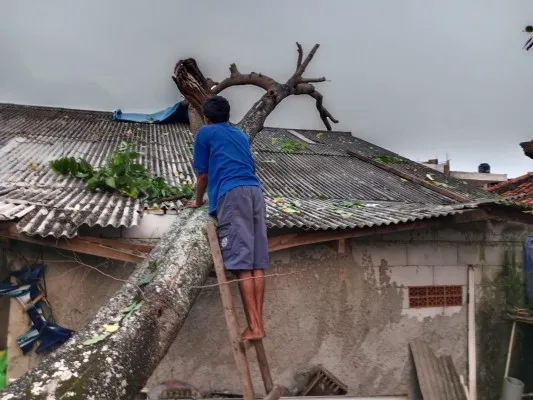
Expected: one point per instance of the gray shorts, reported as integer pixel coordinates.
(242, 229)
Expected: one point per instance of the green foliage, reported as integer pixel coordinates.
(515, 291)
(121, 174)
(292, 146)
(384, 159)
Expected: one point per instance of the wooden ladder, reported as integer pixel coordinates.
(238, 346)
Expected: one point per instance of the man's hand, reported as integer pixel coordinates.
(194, 204)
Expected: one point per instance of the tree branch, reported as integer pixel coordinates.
(325, 115)
(303, 65)
(312, 80)
(300, 55)
(238, 79)
(195, 88)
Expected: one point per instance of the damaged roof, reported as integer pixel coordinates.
(331, 180)
(520, 189)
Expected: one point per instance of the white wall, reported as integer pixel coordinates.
(422, 78)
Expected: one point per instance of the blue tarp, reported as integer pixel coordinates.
(47, 333)
(176, 113)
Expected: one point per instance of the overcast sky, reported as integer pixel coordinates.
(422, 78)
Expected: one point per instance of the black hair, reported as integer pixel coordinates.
(216, 109)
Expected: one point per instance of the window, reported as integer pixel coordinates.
(435, 296)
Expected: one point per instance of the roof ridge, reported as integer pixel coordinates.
(510, 182)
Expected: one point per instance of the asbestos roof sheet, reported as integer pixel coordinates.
(319, 174)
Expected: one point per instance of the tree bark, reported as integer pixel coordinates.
(120, 365)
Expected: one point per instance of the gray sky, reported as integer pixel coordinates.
(422, 78)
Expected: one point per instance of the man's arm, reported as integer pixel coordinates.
(201, 164)
(201, 185)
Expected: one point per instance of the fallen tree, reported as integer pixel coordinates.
(115, 354)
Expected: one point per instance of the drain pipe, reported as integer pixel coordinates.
(472, 371)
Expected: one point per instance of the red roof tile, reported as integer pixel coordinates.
(521, 186)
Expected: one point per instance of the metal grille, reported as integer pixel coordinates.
(435, 296)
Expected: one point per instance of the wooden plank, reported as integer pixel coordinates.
(263, 365)
(17, 363)
(77, 245)
(291, 240)
(437, 377)
(120, 243)
(231, 317)
(411, 178)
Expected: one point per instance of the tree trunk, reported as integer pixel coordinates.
(120, 365)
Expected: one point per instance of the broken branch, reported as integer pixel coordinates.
(325, 115)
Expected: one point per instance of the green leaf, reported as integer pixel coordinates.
(96, 339)
(147, 279)
(319, 135)
(387, 159)
(110, 181)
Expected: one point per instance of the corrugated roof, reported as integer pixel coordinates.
(338, 214)
(320, 175)
(521, 188)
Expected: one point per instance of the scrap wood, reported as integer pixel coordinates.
(437, 377)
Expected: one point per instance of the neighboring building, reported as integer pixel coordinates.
(520, 188)
(378, 254)
(483, 178)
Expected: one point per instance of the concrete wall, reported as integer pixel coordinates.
(351, 313)
(348, 312)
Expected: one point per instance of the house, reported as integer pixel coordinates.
(370, 252)
(520, 188)
(483, 178)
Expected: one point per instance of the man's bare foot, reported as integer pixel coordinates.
(252, 334)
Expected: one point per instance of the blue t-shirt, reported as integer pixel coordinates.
(223, 153)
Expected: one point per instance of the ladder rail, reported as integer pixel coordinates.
(239, 351)
(231, 317)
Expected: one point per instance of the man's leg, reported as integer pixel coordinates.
(249, 295)
(259, 294)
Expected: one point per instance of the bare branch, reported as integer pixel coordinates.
(303, 66)
(325, 115)
(312, 80)
(300, 55)
(238, 79)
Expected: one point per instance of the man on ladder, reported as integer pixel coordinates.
(224, 164)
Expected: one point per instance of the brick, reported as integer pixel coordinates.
(480, 254)
(431, 254)
(450, 275)
(411, 276)
(390, 254)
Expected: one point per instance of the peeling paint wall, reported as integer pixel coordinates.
(348, 312)
(351, 313)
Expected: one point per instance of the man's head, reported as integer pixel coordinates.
(216, 110)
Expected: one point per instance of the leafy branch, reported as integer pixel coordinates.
(121, 173)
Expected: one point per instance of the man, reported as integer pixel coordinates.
(223, 162)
